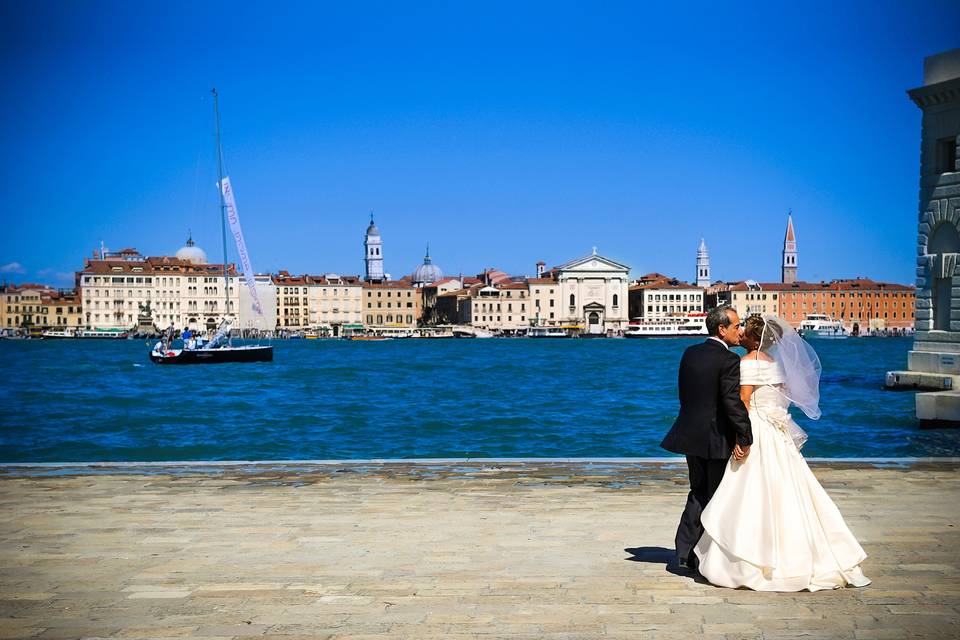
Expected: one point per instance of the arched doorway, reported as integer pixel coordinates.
(944, 245)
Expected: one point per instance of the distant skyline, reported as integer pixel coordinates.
(500, 134)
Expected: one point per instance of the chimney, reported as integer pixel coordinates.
(540, 266)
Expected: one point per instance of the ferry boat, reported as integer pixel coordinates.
(54, 334)
(692, 325)
(547, 332)
(820, 325)
(108, 334)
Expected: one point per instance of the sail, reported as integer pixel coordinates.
(234, 219)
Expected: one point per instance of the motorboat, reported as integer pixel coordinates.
(820, 325)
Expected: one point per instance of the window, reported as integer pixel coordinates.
(573, 300)
(946, 160)
(616, 300)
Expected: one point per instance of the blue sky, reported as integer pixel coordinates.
(500, 133)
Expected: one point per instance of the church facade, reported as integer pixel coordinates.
(593, 293)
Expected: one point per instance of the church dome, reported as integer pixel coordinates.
(191, 252)
(427, 272)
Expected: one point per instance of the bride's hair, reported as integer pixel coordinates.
(754, 328)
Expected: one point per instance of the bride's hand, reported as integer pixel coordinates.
(740, 453)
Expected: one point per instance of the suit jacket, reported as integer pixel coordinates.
(712, 416)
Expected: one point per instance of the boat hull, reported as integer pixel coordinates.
(216, 356)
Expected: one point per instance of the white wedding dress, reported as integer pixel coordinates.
(770, 526)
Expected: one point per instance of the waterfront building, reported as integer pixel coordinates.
(373, 254)
(427, 272)
(717, 295)
(391, 304)
(335, 303)
(751, 297)
(544, 295)
(934, 362)
(593, 294)
(293, 302)
(437, 311)
(703, 265)
(502, 308)
(36, 306)
(788, 269)
(860, 304)
(664, 297)
(115, 288)
(247, 317)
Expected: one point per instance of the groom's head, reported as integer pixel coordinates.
(724, 323)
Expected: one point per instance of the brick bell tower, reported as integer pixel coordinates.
(788, 273)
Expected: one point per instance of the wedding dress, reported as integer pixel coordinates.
(771, 526)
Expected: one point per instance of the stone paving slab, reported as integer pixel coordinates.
(511, 550)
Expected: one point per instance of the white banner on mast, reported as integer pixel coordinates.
(234, 219)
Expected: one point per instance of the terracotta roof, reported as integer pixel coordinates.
(862, 284)
(513, 285)
(541, 281)
(391, 284)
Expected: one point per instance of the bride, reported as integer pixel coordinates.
(771, 526)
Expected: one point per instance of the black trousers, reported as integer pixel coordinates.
(705, 476)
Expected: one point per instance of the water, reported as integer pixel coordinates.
(329, 399)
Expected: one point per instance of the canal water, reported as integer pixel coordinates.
(78, 400)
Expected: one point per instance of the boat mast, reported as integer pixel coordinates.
(223, 203)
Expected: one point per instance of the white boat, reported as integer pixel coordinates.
(108, 334)
(465, 331)
(547, 332)
(52, 334)
(692, 325)
(820, 325)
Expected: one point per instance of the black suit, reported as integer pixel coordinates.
(712, 417)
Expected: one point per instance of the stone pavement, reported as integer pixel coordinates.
(532, 550)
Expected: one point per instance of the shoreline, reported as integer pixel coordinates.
(451, 466)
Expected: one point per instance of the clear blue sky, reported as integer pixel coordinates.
(501, 134)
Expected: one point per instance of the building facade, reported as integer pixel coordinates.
(934, 362)
(503, 308)
(293, 302)
(593, 292)
(666, 297)
(391, 304)
(117, 288)
(335, 303)
(29, 307)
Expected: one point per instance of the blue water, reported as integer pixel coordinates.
(328, 399)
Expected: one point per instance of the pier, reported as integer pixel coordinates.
(442, 549)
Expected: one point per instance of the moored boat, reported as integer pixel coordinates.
(547, 332)
(692, 325)
(57, 334)
(104, 334)
(820, 325)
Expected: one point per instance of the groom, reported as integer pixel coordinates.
(713, 421)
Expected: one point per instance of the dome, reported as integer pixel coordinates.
(427, 272)
(191, 252)
(372, 229)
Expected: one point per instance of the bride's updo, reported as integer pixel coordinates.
(753, 327)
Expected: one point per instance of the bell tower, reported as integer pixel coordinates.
(789, 267)
(373, 249)
(703, 265)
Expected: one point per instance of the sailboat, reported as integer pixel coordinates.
(221, 348)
